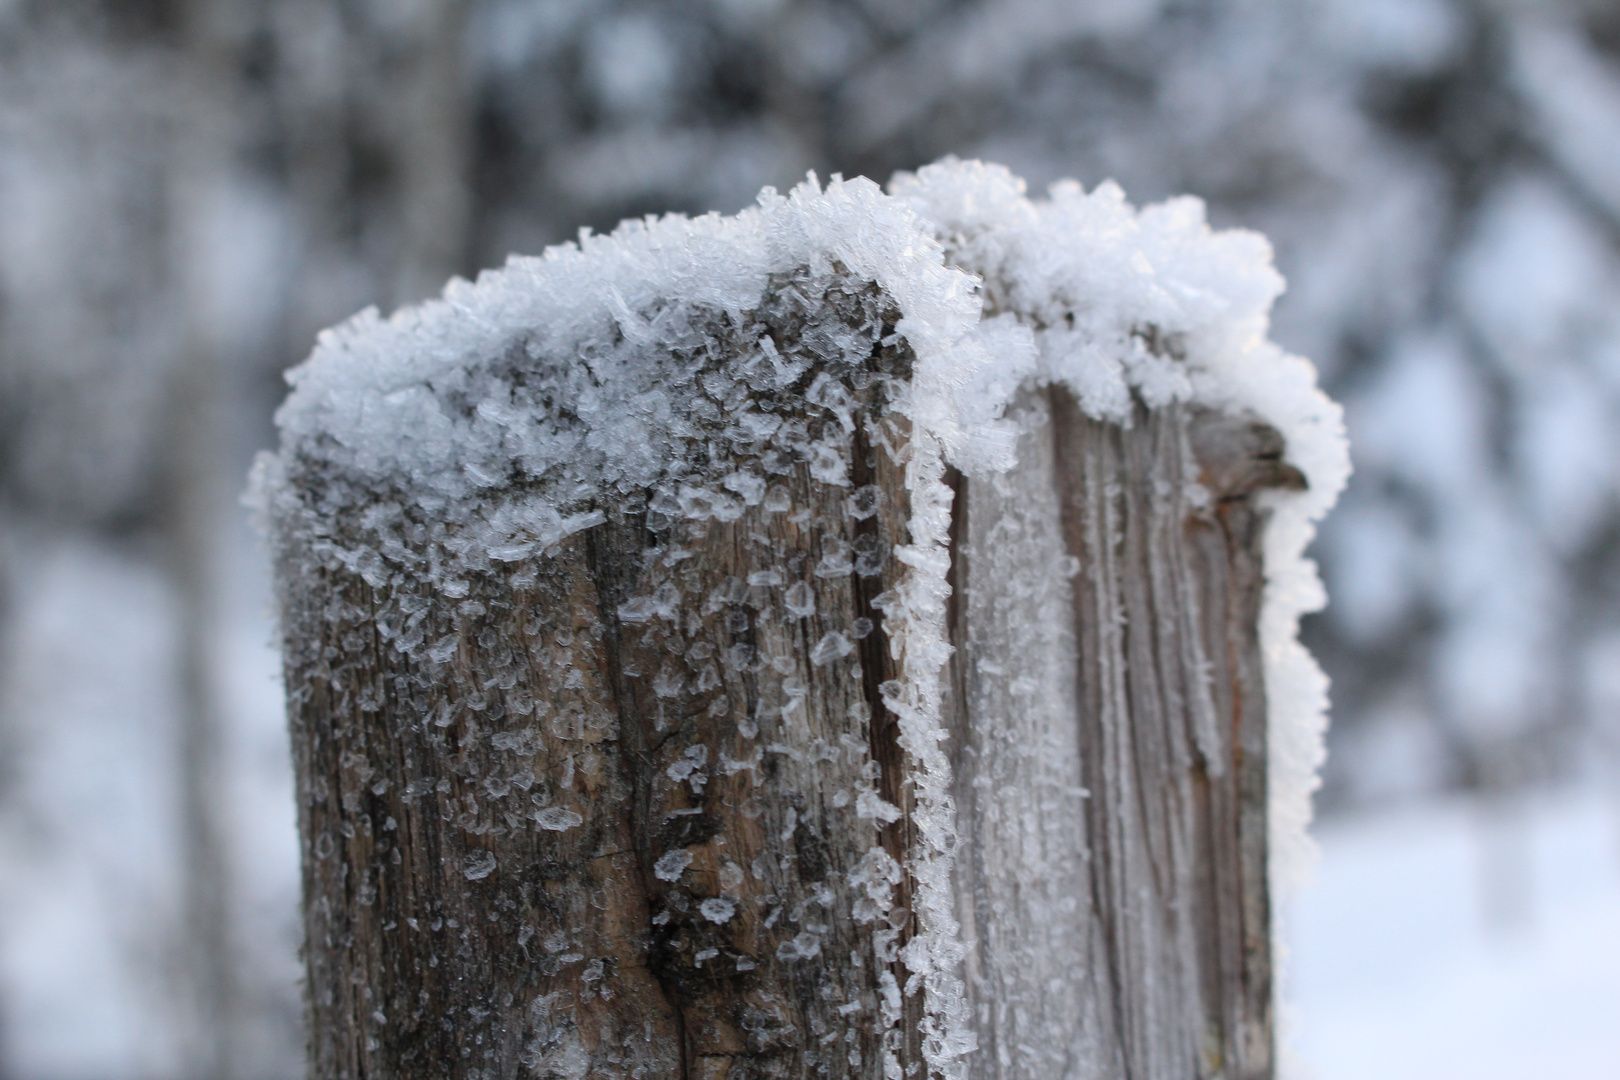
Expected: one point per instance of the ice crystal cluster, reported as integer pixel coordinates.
(634, 372)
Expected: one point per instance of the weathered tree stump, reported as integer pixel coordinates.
(626, 740)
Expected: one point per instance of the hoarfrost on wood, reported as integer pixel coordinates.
(684, 494)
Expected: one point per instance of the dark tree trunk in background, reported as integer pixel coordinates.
(373, 110)
(196, 462)
(647, 811)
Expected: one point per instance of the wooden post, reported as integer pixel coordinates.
(659, 791)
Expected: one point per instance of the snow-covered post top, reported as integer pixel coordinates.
(631, 634)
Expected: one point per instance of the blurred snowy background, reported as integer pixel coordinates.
(189, 189)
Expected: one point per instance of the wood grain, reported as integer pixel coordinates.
(1109, 728)
(648, 816)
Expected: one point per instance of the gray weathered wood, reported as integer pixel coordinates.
(637, 807)
(1109, 747)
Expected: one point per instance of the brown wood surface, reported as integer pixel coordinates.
(636, 808)
(635, 821)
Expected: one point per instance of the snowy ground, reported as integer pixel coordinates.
(90, 860)
(89, 825)
(1448, 941)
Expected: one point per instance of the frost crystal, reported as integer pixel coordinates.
(800, 600)
(479, 865)
(803, 947)
(557, 819)
(672, 864)
(717, 910)
(831, 647)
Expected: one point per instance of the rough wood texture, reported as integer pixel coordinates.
(641, 811)
(1109, 748)
(638, 809)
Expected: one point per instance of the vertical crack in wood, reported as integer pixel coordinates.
(968, 871)
(897, 837)
(613, 578)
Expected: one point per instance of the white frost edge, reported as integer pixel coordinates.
(356, 401)
(919, 640)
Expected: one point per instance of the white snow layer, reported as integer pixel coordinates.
(427, 402)
(445, 407)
